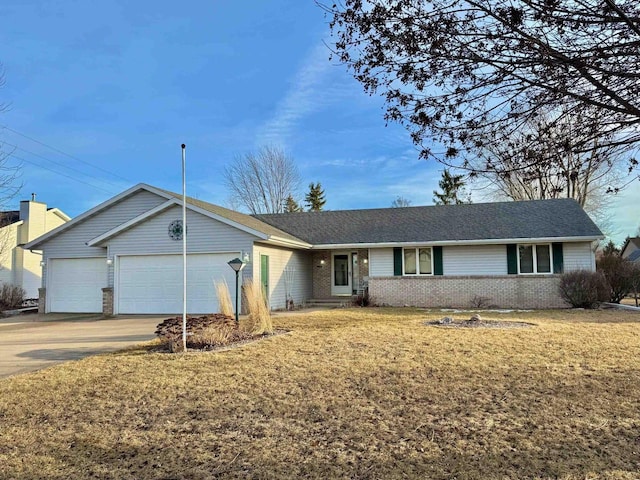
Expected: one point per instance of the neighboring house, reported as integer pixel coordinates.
(631, 249)
(123, 256)
(20, 266)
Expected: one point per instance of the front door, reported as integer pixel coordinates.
(341, 274)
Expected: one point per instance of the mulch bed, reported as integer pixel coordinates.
(476, 324)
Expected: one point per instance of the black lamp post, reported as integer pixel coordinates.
(237, 265)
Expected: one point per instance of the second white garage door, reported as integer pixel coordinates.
(152, 284)
(75, 284)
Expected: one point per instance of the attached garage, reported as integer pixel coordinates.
(75, 284)
(152, 284)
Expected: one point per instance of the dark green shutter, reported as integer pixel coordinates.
(437, 261)
(512, 259)
(558, 258)
(397, 261)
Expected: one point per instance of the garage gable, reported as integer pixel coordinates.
(204, 234)
(70, 240)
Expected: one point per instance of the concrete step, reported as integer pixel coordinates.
(339, 302)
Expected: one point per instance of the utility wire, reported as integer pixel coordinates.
(55, 162)
(65, 153)
(11, 154)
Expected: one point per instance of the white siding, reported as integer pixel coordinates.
(474, 260)
(72, 242)
(380, 262)
(204, 235)
(578, 256)
(290, 271)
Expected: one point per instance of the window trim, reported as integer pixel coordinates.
(417, 252)
(534, 251)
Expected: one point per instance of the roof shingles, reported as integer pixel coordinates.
(556, 218)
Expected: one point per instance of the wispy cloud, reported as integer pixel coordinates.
(304, 97)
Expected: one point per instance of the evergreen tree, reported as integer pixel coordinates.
(452, 187)
(291, 206)
(315, 198)
(611, 249)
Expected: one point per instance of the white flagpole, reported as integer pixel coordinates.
(184, 250)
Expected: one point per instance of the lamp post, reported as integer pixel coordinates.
(236, 265)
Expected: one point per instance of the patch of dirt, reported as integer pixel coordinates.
(478, 324)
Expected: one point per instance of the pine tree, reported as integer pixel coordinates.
(451, 186)
(291, 206)
(315, 198)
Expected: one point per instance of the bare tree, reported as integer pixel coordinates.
(400, 202)
(10, 186)
(261, 182)
(452, 69)
(547, 158)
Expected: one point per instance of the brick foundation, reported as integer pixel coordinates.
(107, 301)
(42, 300)
(504, 291)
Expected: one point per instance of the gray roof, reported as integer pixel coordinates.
(556, 218)
(634, 256)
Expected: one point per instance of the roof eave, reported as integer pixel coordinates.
(286, 242)
(89, 213)
(493, 241)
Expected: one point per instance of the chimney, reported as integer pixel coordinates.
(34, 216)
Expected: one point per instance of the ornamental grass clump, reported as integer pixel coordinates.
(224, 299)
(259, 316)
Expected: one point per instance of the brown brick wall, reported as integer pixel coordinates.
(322, 273)
(504, 291)
(107, 301)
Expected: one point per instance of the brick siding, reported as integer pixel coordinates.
(322, 272)
(107, 301)
(42, 300)
(502, 291)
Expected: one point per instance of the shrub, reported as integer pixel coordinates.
(479, 301)
(224, 299)
(11, 296)
(362, 300)
(202, 332)
(618, 273)
(259, 315)
(583, 288)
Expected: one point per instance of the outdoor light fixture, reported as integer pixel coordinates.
(322, 262)
(236, 265)
(42, 264)
(365, 261)
(109, 261)
(245, 257)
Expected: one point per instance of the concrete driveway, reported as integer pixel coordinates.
(32, 342)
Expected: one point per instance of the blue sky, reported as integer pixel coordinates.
(116, 87)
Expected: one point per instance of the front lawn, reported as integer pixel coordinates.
(358, 393)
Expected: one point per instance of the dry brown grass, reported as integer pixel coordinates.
(349, 393)
(225, 306)
(259, 321)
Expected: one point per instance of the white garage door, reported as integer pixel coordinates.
(75, 284)
(153, 283)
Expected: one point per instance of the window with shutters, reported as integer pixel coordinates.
(417, 261)
(535, 258)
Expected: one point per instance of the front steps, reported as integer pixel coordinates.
(334, 302)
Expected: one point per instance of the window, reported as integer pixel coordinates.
(534, 258)
(417, 261)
